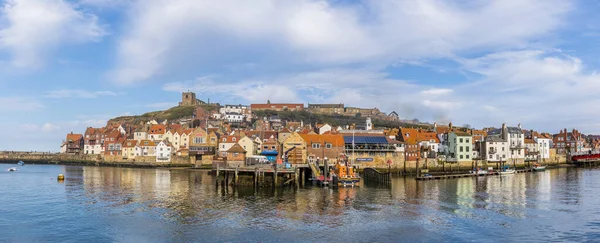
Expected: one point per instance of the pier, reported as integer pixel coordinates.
(260, 176)
(453, 176)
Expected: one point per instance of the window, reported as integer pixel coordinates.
(504, 156)
(468, 148)
(467, 140)
(233, 139)
(223, 146)
(199, 140)
(461, 148)
(519, 152)
(224, 139)
(316, 145)
(490, 156)
(161, 149)
(502, 149)
(461, 140)
(328, 146)
(461, 156)
(467, 156)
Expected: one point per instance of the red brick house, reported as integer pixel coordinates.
(568, 142)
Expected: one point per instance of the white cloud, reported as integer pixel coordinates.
(11, 104)
(163, 34)
(436, 91)
(32, 29)
(46, 128)
(77, 93)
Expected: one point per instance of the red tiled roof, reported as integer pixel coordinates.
(74, 137)
(157, 129)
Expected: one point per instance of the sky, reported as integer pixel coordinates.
(70, 64)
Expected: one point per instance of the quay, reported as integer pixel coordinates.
(453, 176)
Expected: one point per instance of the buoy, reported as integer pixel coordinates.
(60, 177)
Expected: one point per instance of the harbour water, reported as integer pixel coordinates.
(105, 204)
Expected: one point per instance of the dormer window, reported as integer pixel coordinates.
(233, 139)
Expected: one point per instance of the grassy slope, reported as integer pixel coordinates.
(171, 114)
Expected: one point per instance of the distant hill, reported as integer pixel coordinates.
(175, 113)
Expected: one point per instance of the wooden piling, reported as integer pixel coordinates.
(236, 181)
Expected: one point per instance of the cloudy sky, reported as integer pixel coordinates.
(69, 64)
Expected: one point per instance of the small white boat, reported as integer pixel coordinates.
(507, 172)
(21, 163)
(12, 169)
(479, 172)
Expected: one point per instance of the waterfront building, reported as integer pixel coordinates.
(412, 149)
(74, 143)
(92, 140)
(163, 151)
(129, 149)
(569, 142)
(294, 147)
(460, 146)
(145, 148)
(508, 143)
(324, 146)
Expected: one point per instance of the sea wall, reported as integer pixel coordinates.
(92, 160)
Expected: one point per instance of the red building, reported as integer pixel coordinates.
(74, 143)
(568, 142)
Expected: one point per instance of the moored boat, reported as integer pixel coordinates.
(538, 167)
(12, 169)
(507, 171)
(21, 163)
(478, 171)
(344, 174)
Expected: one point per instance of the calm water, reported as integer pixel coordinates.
(101, 204)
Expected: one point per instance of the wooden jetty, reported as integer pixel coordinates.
(259, 176)
(452, 176)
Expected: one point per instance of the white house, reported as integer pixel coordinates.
(508, 143)
(163, 152)
(234, 117)
(496, 148)
(122, 129)
(145, 148)
(63, 148)
(543, 145)
(323, 128)
(140, 135)
(227, 142)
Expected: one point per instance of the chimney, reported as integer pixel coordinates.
(450, 126)
(504, 131)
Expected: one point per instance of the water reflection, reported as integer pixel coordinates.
(433, 208)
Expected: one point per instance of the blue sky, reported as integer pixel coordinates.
(71, 64)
